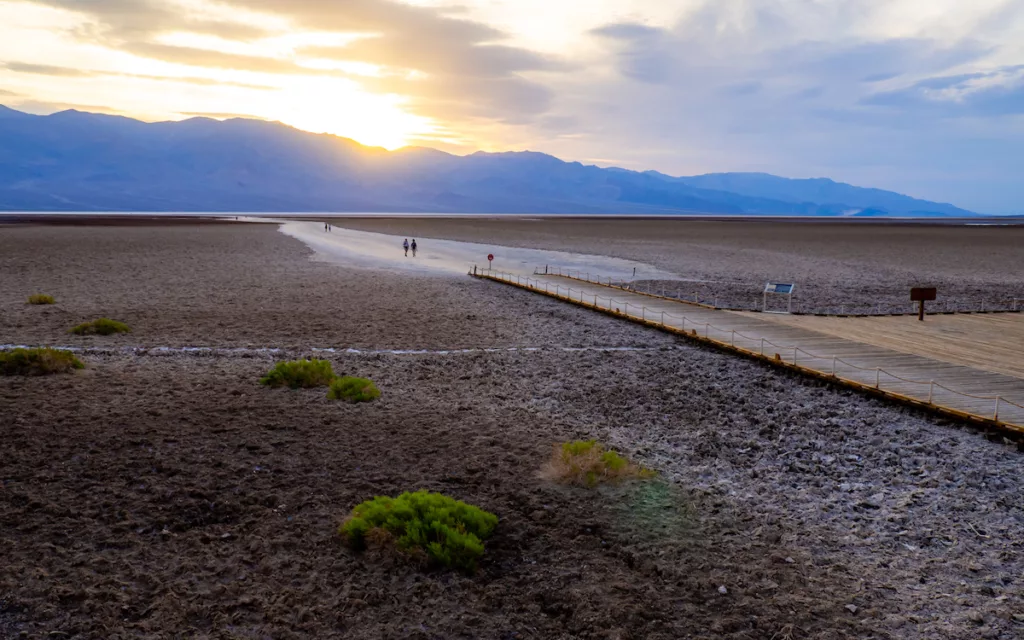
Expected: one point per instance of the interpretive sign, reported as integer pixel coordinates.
(778, 288)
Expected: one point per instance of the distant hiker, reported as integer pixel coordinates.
(413, 245)
(405, 245)
(325, 226)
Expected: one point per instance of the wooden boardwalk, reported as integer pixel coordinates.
(970, 392)
(993, 342)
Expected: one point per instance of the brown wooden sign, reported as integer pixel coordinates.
(922, 294)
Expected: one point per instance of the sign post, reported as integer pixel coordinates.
(921, 295)
(490, 258)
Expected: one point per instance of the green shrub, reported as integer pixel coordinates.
(587, 463)
(103, 327)
(445, 531)
(40, 298)
(37, 362)
(299, 374)
(353, 390)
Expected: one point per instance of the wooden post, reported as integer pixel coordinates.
(920, 311)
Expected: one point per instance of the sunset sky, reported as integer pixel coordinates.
(925, 97)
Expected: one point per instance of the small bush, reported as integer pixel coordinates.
(299, 374)
(447, 532)
(587, 463)
(40, 298)
(37, 362)
(102, 327)
(353, 390)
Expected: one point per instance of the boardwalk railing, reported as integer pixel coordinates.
(877, 309)
(831, 367)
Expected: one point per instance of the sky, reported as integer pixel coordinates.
(924, 97)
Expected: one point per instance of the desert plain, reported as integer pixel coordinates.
(162, 492)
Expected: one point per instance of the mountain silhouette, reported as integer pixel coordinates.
(76, 161)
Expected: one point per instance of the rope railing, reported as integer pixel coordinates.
(658, 317)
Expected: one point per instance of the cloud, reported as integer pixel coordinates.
(208, 58)
(644, 53)
(464, 70)
(138, 19)
(72, 72)
(45, 70)
(204, 82)
(980, 94)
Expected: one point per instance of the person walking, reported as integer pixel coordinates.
(413, 247)
(405, 245)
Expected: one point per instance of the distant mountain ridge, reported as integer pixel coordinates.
(76, 161)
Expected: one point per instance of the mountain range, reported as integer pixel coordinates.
(76, 161)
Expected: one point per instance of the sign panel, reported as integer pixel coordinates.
(778, 287)
(920, 294)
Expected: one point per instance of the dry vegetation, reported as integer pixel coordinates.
(587, 463)
(352, 389)
(101, 327)
(37, 362)
(299, 374)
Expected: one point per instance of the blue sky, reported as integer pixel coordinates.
(925, 97)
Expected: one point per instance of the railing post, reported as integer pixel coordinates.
(834, 358)
(762, 346)
(707, 329)
(794, 354)
(995, 416)
(663, 318)
(643, 313)
(878, 377)
(931, 391)
(732, 340)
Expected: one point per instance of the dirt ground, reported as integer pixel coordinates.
(166, 494)
(837, 266)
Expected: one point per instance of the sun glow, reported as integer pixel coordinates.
(341, 108)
